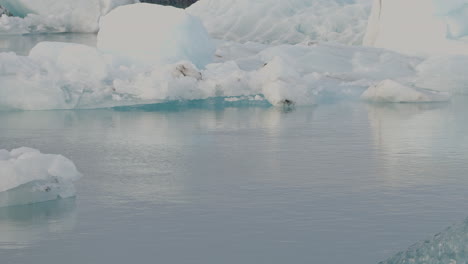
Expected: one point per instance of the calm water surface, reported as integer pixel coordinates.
(347, 182)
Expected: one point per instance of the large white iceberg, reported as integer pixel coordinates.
(423, 27)
(34, 16)
(28, 176)
(285, 21)
(155, 34)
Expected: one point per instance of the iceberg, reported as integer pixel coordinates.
(422, 27)
(447, 247)
(75, 76)
(285, 21)
(33, 16)
(28, 176)
(155, 34)
(389, 91)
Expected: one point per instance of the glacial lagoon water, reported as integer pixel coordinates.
(344, 182)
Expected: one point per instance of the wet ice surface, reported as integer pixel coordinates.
(339, 183)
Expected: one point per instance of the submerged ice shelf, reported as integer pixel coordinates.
(447, 247)
(28, 176)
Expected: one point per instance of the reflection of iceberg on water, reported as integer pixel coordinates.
(23, 225)
(447, 247)
(28, 176)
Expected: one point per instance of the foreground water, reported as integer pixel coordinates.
(339, 183)
(345, 182)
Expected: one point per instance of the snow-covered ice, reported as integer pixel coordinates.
(447, 247)
(285, 21)
(389, 91)
(45, 16)
(28, 176)
(155, 34)
(419, 26)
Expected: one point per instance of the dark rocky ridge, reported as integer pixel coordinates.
(3, 11)
(176, 3)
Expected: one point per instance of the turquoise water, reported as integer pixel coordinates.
(345, 182)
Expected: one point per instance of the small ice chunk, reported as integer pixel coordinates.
(28, 176)
(389, 91)
(155, 34)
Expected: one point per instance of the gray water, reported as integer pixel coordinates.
(345, 182)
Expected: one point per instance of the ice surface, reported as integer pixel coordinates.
(285, 21)
(155, 34)
(393, 92)
(74, 76)
(419, 26)
(33, 16)
(447, 247)
(28, 176)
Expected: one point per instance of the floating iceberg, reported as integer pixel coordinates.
(423, 27)
(447, 247)
(28, 176)
(74, 76)
(389, 91)
(45, 16)
(155, 34)
(285, 21)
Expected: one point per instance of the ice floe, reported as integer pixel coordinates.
(28, 176)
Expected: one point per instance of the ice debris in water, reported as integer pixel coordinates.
(28, 176)
(447, 247)
(51, 16)
(285, 21)
(74, 76)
